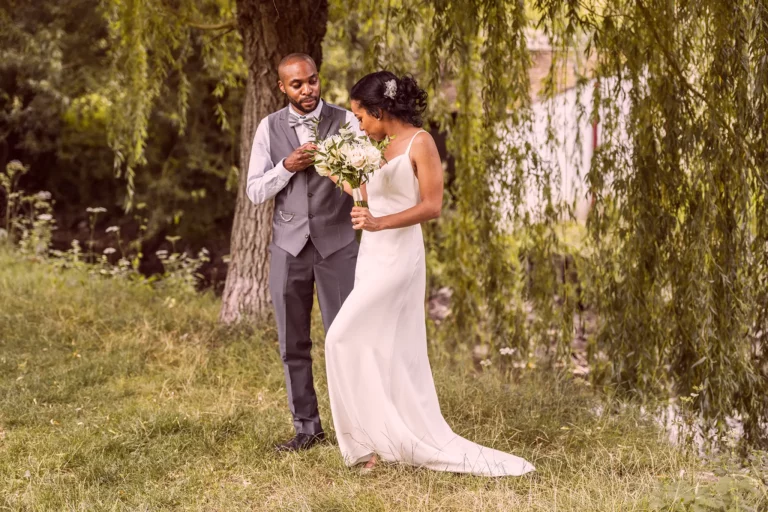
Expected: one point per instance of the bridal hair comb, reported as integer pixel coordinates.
(391, 88)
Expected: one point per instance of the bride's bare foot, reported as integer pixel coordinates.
(368, 467)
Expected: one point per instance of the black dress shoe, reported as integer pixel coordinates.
(301, 442)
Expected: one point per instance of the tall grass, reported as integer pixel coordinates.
(115, 396)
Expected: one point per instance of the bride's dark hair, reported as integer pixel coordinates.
(408, 103)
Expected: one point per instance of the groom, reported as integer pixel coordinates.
(313, 243)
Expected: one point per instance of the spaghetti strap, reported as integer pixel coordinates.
(408, 149)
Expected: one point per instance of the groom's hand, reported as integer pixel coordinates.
(300, 159)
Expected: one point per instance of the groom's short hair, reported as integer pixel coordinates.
(293, 57)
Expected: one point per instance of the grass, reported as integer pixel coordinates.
(114, 396)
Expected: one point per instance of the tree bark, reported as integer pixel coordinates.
(270, 30)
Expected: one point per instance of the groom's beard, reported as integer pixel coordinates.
(301, 108)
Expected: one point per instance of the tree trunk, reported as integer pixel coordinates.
(270, 30)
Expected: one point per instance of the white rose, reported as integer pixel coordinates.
(322, 169)
(354, 156)
(372, 156)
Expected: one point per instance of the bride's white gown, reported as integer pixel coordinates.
(380, 383)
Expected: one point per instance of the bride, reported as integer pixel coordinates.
(382, 395)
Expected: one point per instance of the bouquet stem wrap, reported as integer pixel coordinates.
(357, 195)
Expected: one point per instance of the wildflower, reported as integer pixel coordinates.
(507, 351)
(485, 362)
(112, 229)
(96, 210)
(109, 250)
(15, 166)
(44, 195)
(45, 216)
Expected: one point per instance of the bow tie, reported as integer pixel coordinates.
(295, 120)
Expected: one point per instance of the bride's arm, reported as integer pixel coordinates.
(430, 173)
(348, 189)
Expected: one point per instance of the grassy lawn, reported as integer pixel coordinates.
(114, 396)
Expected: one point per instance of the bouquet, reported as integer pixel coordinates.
(350, 158)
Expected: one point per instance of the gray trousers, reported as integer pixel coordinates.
(291, 282)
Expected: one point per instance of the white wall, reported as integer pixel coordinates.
(567, 164)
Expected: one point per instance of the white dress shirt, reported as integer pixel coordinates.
(266, 178)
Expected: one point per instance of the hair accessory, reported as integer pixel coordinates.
(391, 88)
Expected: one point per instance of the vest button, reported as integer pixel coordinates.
(306, 236)
(309, 195)
(311, 216)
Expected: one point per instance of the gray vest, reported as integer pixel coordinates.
(310, 207)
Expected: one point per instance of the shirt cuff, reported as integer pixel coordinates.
(283, 173)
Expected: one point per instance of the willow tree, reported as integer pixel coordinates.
(678, 240)
(245, 42)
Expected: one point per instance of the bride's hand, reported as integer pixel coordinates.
(362, 219)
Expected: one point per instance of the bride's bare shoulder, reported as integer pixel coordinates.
(424, 156)
(423, 145)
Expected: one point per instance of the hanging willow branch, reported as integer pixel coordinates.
(151, 42)
(679, 252)
(481, 47)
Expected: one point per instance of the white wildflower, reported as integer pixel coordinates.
(113, 229)
(98, 209)
(109, 250)
(44, 195)
(45, 216)
(507, 351)
(485, 362)
(15, 166)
